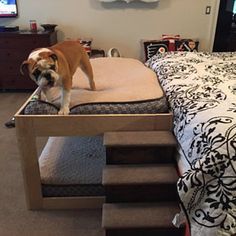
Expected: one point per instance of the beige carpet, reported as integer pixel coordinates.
(15, 219)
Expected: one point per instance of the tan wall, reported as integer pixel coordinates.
(121, 24)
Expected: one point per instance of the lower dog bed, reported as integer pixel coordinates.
(72, 166)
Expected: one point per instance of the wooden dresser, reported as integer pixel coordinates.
(14, 49)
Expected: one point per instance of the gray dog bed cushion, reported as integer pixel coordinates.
(72, 166)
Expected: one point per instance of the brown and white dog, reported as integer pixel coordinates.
(55, 66)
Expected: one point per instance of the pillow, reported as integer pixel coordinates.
(172, 40)
(188, 45)
(168, 43)
(151, 47)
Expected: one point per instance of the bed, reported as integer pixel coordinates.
(201, 91)
(116, 105)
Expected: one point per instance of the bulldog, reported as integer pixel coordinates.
(55, 66)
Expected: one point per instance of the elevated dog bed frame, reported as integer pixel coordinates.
(31, 126)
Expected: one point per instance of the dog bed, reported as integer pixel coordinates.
(124, 86)
(72, 166)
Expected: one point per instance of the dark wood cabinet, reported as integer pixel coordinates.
(14, 49)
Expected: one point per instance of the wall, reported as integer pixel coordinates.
(121, 24)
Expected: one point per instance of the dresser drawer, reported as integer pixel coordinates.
(13, 55)
(20, 42)
(10, 69)
(30, 42)
(17, 82)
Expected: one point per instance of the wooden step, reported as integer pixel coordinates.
(139, 219)
(136, 147)
(140, 183)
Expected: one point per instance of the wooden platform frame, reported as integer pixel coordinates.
(29, 127)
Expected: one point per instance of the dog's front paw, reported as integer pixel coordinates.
(64, 111)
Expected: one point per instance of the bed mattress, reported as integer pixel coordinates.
(123, 86)
(201, 90)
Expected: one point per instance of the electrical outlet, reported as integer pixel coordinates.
(208, 10)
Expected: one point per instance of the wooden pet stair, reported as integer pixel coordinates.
(140, 147)
(140, 184)
(140, 219)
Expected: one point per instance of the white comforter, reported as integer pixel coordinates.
(201, 90)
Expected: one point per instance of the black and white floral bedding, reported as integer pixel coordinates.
(201, 91)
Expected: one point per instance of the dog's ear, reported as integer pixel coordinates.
(25, 65)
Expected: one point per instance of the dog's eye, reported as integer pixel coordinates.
(36, 73)
(53, 67)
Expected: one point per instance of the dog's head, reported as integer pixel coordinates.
(42, 67)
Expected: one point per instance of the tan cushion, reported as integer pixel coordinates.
(117, 80)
